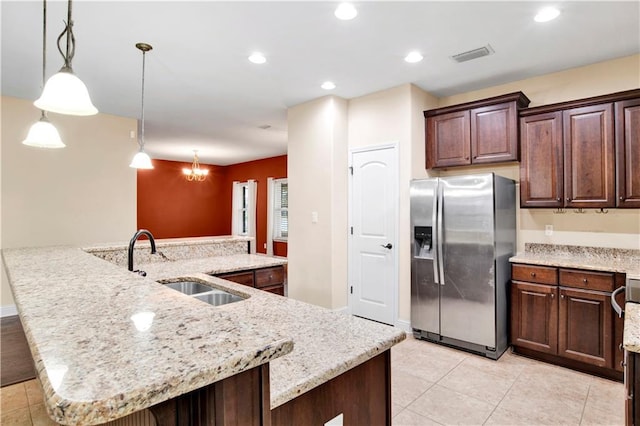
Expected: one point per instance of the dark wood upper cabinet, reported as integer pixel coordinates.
(627, 115)
(479, 132)
(582, 154)
(494, 133)
(541, 164)
(589, 162)
(450, 136)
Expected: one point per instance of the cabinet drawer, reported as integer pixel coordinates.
(269, 276)
(276, 289)
(535, 274)
(600, 281)
(245, 278)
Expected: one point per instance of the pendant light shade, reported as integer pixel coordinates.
(43, 134)
(65, 93)
(141, 161)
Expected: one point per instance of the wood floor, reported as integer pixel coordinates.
(16, 364)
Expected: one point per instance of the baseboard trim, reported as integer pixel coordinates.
(343, 310)
(404, 325)
(8, 311)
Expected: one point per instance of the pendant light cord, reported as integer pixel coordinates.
(44, 48)
(71, 40)
(142, 125)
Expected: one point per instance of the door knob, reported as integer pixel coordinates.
(388, 246)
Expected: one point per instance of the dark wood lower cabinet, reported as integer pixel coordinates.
(534, 316)
(268, 279)
(362, 395)
(586, 326)
(564, 316)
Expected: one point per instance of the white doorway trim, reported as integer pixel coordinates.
(350, 263)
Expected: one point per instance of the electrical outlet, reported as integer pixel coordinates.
(314, 217)
(548, 230)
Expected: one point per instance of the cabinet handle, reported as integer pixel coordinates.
(533, 274)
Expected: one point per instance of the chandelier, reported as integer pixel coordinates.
(195, 173)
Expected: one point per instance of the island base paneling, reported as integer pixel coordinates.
(362, 395)
(242, 399)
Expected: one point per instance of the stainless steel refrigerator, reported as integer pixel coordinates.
(464, 231)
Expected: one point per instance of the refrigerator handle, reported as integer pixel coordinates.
(434, 218)
(440, 233)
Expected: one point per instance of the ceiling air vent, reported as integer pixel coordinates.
(473, 54)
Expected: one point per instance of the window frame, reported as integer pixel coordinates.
(276, 211)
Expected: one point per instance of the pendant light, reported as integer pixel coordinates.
(42, 133)
(142, 160)
(65, 93)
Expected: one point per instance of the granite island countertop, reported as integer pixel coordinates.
(95, 365)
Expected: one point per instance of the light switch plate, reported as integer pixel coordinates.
(548, 230)
(314, 217)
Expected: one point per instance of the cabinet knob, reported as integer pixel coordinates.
(620, 347)
(533, 274)
(552, 295)
(621, 198)
(584, 280)
(561, 296)
(567, 198)
(558, 199)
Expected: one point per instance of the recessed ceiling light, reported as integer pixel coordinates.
(546, 14)
(345, 11)
(413, 57)
(328, 85)
(257, 58)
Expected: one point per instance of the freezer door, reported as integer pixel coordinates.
(425, 292)
(468, 295)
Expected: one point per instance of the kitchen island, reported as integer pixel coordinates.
(97, 362)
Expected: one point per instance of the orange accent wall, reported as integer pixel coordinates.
(259, 170)
(170, 206)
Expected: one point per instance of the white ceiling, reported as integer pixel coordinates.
(202, 92)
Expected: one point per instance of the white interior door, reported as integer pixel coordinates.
(373, 252)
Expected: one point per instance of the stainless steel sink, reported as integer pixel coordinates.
(218, 297)
(210, 295)
(189, 287)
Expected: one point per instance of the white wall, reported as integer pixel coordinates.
(82, 194)
(317, 175)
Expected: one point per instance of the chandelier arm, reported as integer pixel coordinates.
(58, 42)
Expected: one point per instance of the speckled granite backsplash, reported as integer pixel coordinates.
(601, 253)
(171, 250)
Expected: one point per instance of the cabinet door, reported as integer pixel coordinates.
(534, 316)
(448, 140)
(494, 133)
(628, 153)
(541, 166)
(589, 164)
(585, 326)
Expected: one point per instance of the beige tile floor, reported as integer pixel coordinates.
(435, 385)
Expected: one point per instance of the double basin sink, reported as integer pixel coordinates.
(205, 293)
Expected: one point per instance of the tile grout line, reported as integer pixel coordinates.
(584, 407)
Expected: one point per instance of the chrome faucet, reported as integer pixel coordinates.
(133, 242)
